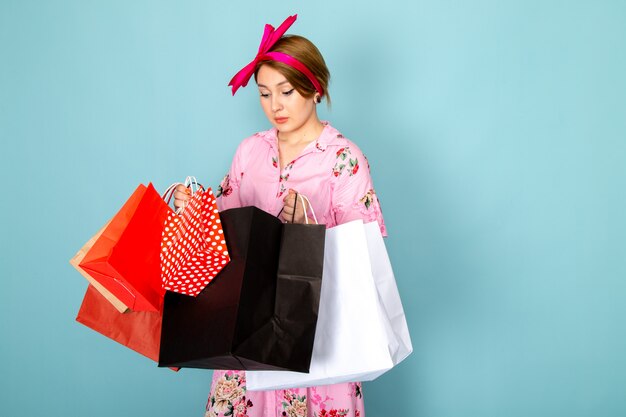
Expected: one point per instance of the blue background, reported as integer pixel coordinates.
(496, 133)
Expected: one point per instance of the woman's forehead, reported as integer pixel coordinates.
(270, 77)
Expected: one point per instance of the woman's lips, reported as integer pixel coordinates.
(281, 120)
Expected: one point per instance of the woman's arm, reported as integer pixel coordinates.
(353, 195)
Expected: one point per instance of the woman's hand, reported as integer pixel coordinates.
(288, 208)
(182, 194)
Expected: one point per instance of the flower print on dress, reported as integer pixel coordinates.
(353, 166)
(228, 396)
(316, 399)
(334, 412)
(240, 409)
(224, 188)
(368, 199)
(343, 153)
(294, 405)
(369, 206)
(283, 178)
(281, 190)
(344, 160)
(338, 168)
(274, 162)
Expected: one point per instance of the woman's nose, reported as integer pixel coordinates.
(276, 103)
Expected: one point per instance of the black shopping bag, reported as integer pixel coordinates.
(260, 311)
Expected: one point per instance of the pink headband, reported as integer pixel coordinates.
(270, 37)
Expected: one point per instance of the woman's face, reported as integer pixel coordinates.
(283, 105)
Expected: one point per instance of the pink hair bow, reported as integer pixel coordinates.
(270, 37)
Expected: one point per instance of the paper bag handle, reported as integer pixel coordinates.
(310, 207)
(302, 199)
(190, 182)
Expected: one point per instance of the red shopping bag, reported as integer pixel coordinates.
(137, 330)
(125, 258)
(193, 249)
(78, 258)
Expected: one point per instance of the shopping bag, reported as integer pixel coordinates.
(137, 330)
(78, 258)
(125, 258)
(193, 249)
(361, 330)
(260, 312)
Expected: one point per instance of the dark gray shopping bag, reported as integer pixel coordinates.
(260, 311)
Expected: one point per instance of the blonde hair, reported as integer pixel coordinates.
(307, 53)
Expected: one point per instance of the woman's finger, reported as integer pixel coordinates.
(288, 212)
(289, 200)
(181, 195)
(181, 188)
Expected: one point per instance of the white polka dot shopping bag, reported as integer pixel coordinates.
(193, 249)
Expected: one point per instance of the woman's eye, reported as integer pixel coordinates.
(288, 93)
(265, 95)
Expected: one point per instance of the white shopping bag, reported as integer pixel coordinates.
(361, 329)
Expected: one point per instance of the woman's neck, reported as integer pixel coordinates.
(307, 133)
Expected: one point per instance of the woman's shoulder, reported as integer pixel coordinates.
(344, 155)
(331, 137)
(335, 140)
(252, 142)
(262, 136)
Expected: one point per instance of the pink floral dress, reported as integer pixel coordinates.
(334, 174)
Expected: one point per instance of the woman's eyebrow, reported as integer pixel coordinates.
(280, 83)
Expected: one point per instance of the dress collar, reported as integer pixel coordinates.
(328, 135)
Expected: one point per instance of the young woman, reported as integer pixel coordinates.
(304, 155)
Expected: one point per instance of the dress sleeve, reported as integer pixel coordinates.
(228, 191)
(353, 196)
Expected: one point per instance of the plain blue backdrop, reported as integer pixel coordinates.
(496, 132)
